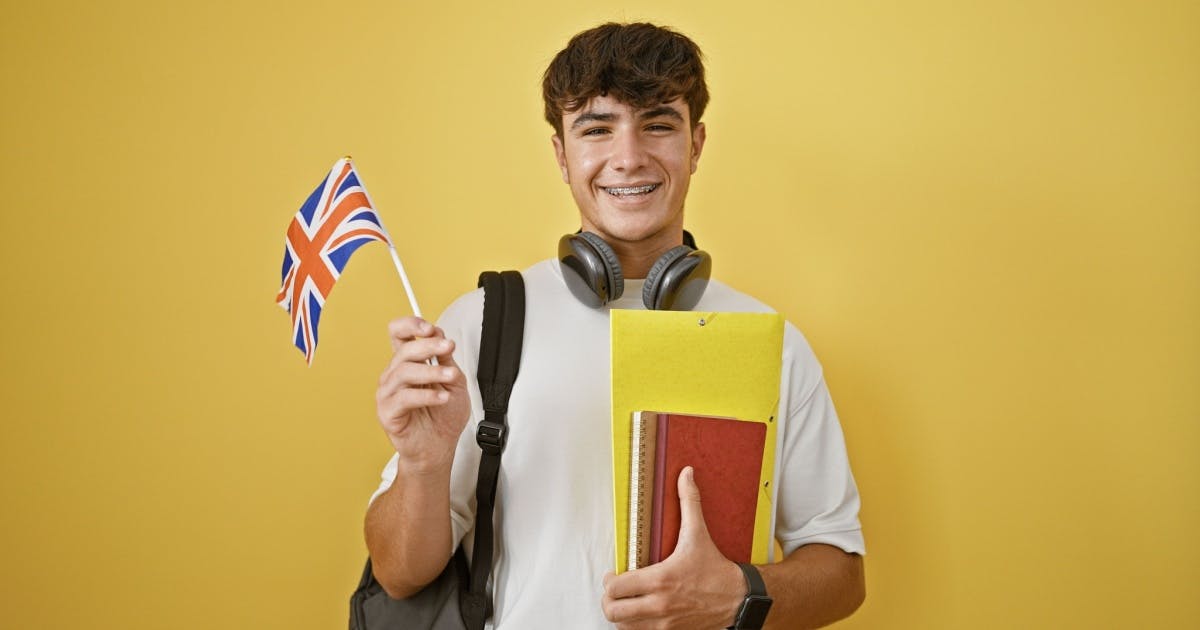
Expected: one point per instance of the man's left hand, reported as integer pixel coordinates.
(695, 587)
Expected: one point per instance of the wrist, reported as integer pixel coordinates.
(423, 469)
(425, 477)
(737, 590)
(421, 459)
(752, 612)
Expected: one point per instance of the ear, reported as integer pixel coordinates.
(560, 155)
(699, 134)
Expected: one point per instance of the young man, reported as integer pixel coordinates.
(625, 102)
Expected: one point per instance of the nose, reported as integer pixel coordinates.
(628, 152)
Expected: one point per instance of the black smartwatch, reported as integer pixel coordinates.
(753, 612)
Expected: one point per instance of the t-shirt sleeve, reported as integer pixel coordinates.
(818, 500)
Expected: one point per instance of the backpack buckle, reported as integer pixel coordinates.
(491, 435)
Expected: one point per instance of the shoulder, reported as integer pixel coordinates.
(467, 310)
(801, 366)
(544, 276)
(722, 297)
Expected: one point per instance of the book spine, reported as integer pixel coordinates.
(637, 454)
(658, 479)
(646, 479)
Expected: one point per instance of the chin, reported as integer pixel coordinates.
(634, 229)
(629, 234)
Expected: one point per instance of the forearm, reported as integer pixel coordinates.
(814, 586)
(408, 531)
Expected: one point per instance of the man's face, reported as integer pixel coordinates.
(629, 168)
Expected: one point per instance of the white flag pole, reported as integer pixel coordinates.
(412, 298)
(408, 290)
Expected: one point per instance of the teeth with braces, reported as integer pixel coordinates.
(631, 190)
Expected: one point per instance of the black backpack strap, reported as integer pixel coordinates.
(499, 359)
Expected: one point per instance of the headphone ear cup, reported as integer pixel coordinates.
(650, 290)
(677, 280)
(612, 266)
(590, 268)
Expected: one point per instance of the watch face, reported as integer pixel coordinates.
(754, 612)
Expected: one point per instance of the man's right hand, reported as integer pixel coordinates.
(422, 408)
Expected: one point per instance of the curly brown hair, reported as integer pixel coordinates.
(639, 64)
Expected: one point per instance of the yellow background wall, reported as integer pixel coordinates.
(985, 216)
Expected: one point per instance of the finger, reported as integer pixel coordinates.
(417, 398)
(406, 328)
(446, 356)
(414, 376)
(635, 583)
(691, 518)
(405, 374)
(408, 400)
(628, 612)
(421, 350)
(607, 578)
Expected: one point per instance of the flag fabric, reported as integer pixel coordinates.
(336, 220)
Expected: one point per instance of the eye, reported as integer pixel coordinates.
(595, 131)
(659, 127)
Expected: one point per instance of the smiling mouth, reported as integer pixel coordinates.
(630, 191)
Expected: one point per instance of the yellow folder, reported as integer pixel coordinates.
(716, 364)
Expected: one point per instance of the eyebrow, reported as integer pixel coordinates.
(665, 110)
(588, 117)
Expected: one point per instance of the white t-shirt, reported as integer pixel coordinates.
(554, 521)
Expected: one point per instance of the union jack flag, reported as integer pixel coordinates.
(337, 219)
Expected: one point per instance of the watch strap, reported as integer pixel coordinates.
(752, 614)
(754, 581)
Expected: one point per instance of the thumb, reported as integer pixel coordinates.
(691, 517)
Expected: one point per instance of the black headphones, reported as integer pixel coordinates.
(593, 274)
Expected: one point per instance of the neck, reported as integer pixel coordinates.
(637, 257)
(636, 261)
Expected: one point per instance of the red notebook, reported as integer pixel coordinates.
(727, 456)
